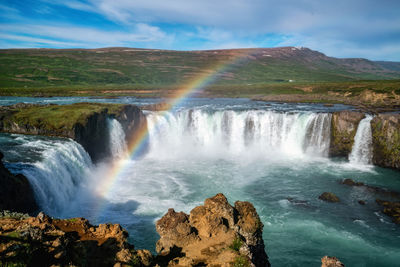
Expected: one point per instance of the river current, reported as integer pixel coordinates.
(273, 155)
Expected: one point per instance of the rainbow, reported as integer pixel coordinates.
(136, 146)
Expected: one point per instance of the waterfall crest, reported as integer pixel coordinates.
(235, 132)
(361, 152)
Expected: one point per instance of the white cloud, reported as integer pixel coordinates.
(67, 35)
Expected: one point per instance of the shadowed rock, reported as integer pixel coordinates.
(391, 209)
(16, 193)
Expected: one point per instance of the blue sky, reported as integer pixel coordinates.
(340, 28)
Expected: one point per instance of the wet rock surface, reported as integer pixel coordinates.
(329, 197)
(16, 193)
(391, 209)
(215, 234)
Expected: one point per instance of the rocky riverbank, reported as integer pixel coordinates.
(215, 234)
(85, 123)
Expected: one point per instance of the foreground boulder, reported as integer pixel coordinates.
(43, 241)
(16, 193)
(215, 234)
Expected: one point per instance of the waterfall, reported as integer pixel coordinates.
(57, 175)
(117, 139)
(361, 152)
(235, 132)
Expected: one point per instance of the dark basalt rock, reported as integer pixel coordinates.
(361, 202)
(16, 193)
(372, 189)
(391, 209)
(329, 197)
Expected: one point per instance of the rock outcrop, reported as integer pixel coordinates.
(85, 123)
(329, 197)
(386, 140)
(43, 241)
(391, 209)
(331, 262)
(215, 234)
(343, 129)
(16, 193)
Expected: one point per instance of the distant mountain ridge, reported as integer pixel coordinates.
(133, 66)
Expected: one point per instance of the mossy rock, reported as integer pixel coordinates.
(386, 140)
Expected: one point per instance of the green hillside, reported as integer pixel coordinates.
(133, 68)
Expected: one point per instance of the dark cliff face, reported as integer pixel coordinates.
(16, 193)
(94, 136)
(134, 123)
(343, 129)
(386, 140)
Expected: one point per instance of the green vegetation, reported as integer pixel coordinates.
(13, 234)
(236, 244)
(125, 71)
(241, 261)
(55, 118)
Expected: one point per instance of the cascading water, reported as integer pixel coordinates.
(235, 132)
(117, 139)
(361, 152)
(245, 149)
(56, 177)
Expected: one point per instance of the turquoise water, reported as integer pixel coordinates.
(203, 148)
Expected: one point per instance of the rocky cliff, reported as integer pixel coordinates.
(16, 193)
(386, 140)
(215, 234)
(343, 129)
(43, 241)
(86, 123)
